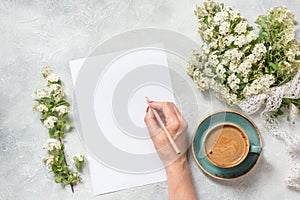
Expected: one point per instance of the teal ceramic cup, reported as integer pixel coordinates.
(244, 165)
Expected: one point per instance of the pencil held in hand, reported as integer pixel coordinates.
(162, 125)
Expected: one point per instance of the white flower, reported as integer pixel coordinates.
(245, 68)
(49, 161)
(233, 67)
(231, 99)
(46, 70)
(52, 144)
(209, 5)
(290, 55)
(221, 17)
(252, 35)
(234, 13)
(40, 93)
(245, 80)
(234, 55)
(259, 50)
(61, 109)
(190, 70)
(213, 44)
(259, 85)
(224, 28)
(233, 82)
(201, 81)
(208, 34)
(228, 40)
(251, 58)
(41, 108)
(77, 158)
(55, 88)
(213, 60)
(53, 78)
(205, 49)
(50, 121)
(240, 41)
(241, 27)
(220, 70)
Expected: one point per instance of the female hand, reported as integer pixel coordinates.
(179, 179)
(176, 126)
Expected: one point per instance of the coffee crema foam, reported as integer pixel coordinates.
(226, 145)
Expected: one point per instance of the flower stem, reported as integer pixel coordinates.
(65, 161)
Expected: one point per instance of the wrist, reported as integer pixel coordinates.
(178, 166)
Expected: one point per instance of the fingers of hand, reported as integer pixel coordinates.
(151, 123)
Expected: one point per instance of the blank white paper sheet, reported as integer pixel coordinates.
(126, 76)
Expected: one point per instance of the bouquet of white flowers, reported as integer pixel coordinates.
(238, 62)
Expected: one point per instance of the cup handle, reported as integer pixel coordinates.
(255, 149)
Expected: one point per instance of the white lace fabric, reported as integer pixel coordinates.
(272, 100)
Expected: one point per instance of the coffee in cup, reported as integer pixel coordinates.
(226, 145)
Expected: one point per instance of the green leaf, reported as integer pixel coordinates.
(242, 86)
(64, 115)
(58, 179)
(279, 111)
(52, 133)
(61, 158)
(286, 100)
(274, 66)
(205, 20)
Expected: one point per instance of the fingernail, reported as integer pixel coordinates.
(151, 101)
(147, 109)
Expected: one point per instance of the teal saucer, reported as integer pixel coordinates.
(211, 121)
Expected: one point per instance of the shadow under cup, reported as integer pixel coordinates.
(227, 145)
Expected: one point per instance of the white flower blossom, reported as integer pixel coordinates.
(46, 70)
(61, 109)
(40, 93)
(77, 158)
(49, 161)
(259, 50)
(50, 121)
(233, 67)
(245, 68)
(259, 85)
(290, 55)
(252, 35)
(230, 98)
(209, 5)
(228, 40)
(224, 28)
(234, 13)
(213, 44)
(233, 82)
(201, 81)
(205, 49)
(55, 88)
(241, 27)
(213, 60)
(52, 144)
(208, 34)
(220, 70)
(53, 78)
(41, 108)
(240, 41)
(234, 55)
(221, 17)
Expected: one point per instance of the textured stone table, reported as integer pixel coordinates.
(36, 33)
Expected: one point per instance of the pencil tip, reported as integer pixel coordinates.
(147, 99)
